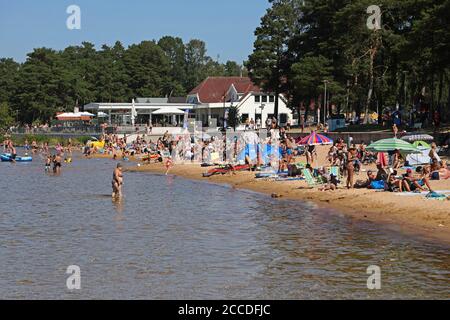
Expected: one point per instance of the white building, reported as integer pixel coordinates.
(215, 94)
(206, 103)
(142, 111)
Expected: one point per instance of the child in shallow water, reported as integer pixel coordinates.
(48, 163)
(169, 164)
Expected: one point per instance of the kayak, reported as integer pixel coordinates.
(7, 158)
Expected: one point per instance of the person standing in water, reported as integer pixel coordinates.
(57, 164)
(13, 151)
(169, 165)
(117, 181)
(48, 163)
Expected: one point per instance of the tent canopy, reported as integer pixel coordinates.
(72, 116)
(418, 137)
(169, 111)
(421, 144)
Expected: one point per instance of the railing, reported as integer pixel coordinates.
(58, 130)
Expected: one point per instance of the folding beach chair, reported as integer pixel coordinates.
(309, 178)
(336, 172)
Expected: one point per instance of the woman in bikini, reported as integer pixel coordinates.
(351, 158)
(169, 164)
(396, 159)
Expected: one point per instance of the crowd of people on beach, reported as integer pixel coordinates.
(272, 153)
(386, 171)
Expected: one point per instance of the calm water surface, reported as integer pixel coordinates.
(172, 238)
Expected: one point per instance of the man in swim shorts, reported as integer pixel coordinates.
(13, 151)
(117, 181)
(57, 164)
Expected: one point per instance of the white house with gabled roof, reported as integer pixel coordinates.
(214, 95)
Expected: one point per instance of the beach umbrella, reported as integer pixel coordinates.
(418, 137)
(422, 144)
(391, 145)
(86, 114)
(169, 111)
(315, 139)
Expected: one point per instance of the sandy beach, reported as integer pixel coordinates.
(409, 214)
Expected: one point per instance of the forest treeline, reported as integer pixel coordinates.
(50, 81)
(298, 45)
(301, 43)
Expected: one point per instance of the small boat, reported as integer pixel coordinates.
(6, 157)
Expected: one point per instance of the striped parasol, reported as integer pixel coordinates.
(315, 139)
(391, 145)
(418, 137)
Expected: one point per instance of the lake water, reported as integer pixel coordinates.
(172, 238)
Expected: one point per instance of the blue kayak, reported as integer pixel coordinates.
(7, 158)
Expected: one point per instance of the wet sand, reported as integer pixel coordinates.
(408, 214)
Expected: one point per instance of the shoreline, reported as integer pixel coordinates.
(414, 215)
(352, 203)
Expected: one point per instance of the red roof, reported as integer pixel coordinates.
(214, 89)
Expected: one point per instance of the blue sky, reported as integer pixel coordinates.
(227, 26)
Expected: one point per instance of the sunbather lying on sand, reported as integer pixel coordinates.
(443, 171)
(412, 184)
(331, 185)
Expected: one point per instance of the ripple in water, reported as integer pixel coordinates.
(172, 238)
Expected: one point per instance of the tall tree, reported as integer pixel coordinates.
(8, 75)
(268, 65)
(147, 68)
(174, 49)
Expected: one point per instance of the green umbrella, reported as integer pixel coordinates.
(421, 144)
(391, 145)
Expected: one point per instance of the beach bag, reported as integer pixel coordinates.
(377, 185)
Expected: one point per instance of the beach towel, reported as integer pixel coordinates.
(289, 179)
(382, 159)
(377, 185)
(423, 193)
(436, 196)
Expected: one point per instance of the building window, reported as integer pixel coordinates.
(258, 99)
(244, 117)
(283, 118)
(264, 98)
(271, 98)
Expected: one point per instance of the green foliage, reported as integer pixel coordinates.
(300, 43)
(234, 118)
(269, 63)
(50, 81)
(6, 120)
